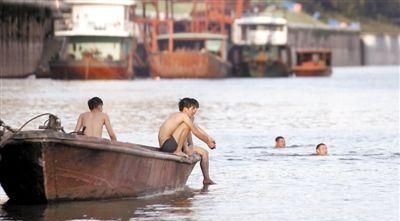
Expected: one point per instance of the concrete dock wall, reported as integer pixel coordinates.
(22, 33)
(380, 49)
(345, 44)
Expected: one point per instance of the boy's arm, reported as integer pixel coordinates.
(198, 132)
(211, 141)
(78, 124)
(109, 128)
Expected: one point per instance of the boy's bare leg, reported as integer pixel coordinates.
(204, 164)
(189, 150)
(180, 136)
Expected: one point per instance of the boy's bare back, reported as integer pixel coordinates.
(93, 122)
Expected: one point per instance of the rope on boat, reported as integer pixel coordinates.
(53, 123)
(26, 123)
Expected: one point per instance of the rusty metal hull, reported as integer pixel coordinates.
(269, 69)
(300, 71)
(44, 166)
(90, 70)
(187, 64)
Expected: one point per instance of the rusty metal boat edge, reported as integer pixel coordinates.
(187, 64)
(44, 166)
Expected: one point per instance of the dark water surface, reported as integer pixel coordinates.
(355, 112)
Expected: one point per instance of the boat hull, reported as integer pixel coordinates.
(89, 70)
(40, 167)
(269, 69)
(312, 71)
(187, 64)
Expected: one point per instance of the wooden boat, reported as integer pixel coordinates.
(195, 55)
(46, 165)
(313, 62)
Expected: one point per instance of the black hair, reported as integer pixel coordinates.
(94, 102)
(319, 145)
(279, 137)
(188, 103)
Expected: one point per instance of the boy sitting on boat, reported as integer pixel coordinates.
(92, 122)
(175, 135)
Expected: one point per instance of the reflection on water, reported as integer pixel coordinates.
(355, 112)
(177, 204)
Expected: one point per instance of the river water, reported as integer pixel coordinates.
(355, 112)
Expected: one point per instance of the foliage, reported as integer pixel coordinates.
(375, 9)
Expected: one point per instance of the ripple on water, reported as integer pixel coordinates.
(355, 112)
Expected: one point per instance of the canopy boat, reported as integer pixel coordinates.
(49, 165)
(195, 55)
(313, 62)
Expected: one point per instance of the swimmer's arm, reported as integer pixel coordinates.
(109, 128)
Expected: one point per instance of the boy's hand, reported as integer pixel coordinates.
(211, 143)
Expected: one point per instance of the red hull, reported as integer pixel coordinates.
(312, 71)
(90, 70)
(187, 64)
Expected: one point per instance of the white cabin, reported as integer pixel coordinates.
(102, 28)
(97, 18)
(259, 30)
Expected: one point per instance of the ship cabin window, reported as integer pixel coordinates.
(182, 45)
(303, 57)
(270, 27)
(262, 27)
(316, 57)
(252, 27)
(313, 57)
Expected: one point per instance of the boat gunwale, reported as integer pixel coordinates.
(47, 136)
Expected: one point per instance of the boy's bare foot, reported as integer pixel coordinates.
(180, 153)
(208, 182)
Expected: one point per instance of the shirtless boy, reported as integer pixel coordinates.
(94, 120)
(175, 135)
